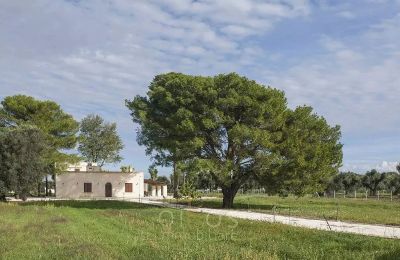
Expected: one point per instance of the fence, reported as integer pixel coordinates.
(356, 194)
(240, 191)
(361, 194)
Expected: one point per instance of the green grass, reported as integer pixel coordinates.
(123, 230)
(370, 211)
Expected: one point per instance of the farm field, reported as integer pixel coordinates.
(371, 211)
(122, 230)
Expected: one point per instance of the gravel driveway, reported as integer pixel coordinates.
(338, 226)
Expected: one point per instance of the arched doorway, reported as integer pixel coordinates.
(108, 189)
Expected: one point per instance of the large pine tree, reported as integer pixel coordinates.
(236, 129)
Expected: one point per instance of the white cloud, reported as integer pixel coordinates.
(239, 31)
(362, 167)
(352, 83)
(387, 166)
(91, 55)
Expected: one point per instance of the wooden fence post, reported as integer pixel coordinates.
(337, 211)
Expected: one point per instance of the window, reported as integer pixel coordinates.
(87, 187)
(128, 187)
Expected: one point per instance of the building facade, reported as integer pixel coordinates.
(89, 181)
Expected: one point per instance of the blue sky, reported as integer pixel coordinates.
(341, 57)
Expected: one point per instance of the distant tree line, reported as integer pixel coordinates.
(372, 181)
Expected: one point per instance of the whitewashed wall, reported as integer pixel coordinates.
(156, 190)
(70, 184)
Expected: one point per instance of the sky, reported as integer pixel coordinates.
(340, 57)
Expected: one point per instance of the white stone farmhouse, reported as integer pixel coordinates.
(89, 181)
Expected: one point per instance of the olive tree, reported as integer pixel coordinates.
(22, 163)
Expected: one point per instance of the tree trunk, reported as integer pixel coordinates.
(176, 180)
(54, 183)
(23, 196)
(47, 186)
(229, 195)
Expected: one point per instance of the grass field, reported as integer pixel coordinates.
(121, 230)
(345, 209)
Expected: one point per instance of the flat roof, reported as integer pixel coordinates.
(113, 172)
(153, 182)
